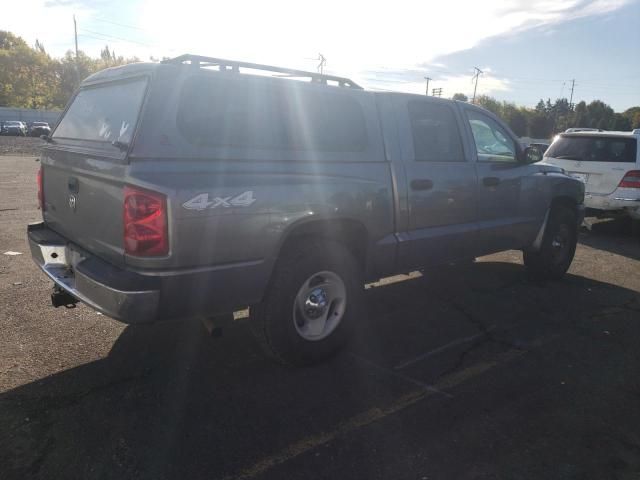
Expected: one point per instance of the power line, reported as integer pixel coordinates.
(114, 37)
(118, 24)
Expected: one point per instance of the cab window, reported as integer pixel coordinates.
(493, 143)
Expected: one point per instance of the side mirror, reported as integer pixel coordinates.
(532, 154)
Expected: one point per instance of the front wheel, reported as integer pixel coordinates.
(312, 303)
(558, 247)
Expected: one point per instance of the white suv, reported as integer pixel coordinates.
(607, 162)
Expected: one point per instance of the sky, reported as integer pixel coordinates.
(526, 49)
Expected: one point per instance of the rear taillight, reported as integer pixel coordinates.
(40, 191)
(145, 223)
(631, 179)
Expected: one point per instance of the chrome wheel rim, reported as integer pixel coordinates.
(319, 305)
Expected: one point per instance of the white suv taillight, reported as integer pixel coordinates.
(145, 223)
(631, 179)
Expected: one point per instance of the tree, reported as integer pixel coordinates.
(516, 118)
(30, 78)
(620, 123)
(490, 104)
(633, 114)
(580, 114)
(540, 126)
(25, 73)
(460, 96)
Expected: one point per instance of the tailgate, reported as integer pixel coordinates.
(599, 161)
(84, 168)
(83, 203)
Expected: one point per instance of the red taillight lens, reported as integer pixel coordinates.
(631, 179)
(40, 191)
(145, 223)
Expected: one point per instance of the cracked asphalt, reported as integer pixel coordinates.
(467, 372)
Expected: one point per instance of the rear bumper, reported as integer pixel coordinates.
(627, 199)
(140, 297)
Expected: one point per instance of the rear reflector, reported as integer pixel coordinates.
(631, 180)
(40, 191)
(145, 223)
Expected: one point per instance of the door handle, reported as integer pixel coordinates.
(73, 184)
(491, 181)
(422, 184)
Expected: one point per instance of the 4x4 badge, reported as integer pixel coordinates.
(201, 201)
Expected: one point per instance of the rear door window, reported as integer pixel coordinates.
(104, 113)
(220, 112)
(594, 149)
(436, 137)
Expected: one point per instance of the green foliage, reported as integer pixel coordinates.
(460, 96)
(548, 118)
(30, 78)
(633, 115)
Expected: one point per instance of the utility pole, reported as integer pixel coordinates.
(573, 84)
(426, 91)
(75, 33)
(476, 76)
(322, 63)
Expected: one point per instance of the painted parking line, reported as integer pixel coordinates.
(390, 371)
(443, 348)
(375, 414)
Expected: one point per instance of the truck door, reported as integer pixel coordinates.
(441, 183)
(508, 216)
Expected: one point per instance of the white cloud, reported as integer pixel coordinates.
(396, 38)
(49, 21)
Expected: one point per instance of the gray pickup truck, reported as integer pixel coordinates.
(198, 186)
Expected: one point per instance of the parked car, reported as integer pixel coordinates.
(39, 128)
(14, 128)
(609, 165)
(278, 194)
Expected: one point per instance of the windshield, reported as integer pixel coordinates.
(593, 149)
(105, 113)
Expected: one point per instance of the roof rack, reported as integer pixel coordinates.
(234, 66)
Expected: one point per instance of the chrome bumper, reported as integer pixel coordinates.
(91, 280)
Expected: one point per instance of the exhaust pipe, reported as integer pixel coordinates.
(62, 298)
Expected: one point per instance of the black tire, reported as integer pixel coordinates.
(558, 247)
(273, 320)
(635, 227)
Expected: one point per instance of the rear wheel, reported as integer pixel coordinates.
(558, 247)
(312, 303)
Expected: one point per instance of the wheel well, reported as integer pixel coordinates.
(352, 234)
(568, 202)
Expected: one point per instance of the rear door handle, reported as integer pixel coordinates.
(422, 184)
(491, 181)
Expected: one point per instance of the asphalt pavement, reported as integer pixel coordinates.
(464, 372)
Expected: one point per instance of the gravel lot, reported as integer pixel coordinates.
(469, 372)
(25, 146)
